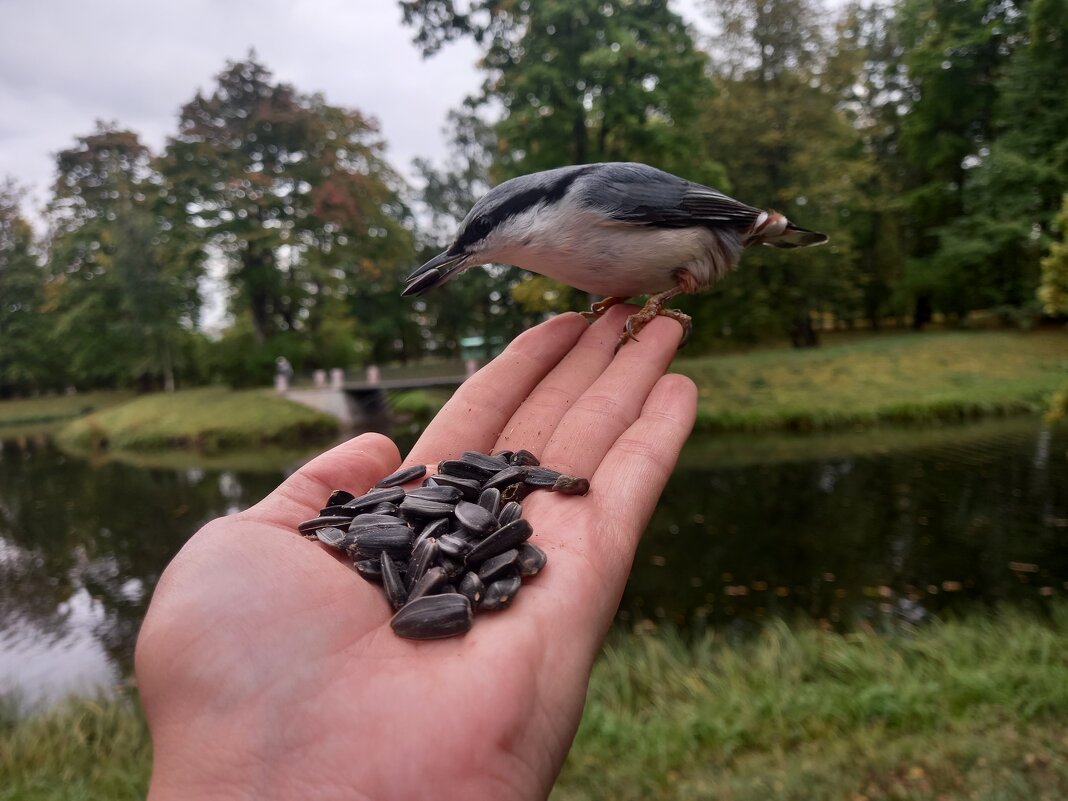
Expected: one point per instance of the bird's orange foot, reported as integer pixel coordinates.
(636, 322)
(654, 308)
(598, 309)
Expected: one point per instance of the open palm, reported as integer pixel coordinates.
(267, 668)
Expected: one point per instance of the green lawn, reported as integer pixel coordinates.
(18, 415)
(900, 377)
(208, 418)
(974, 709)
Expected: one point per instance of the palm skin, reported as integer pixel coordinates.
(267, 668)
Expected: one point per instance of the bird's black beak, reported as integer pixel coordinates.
(434, 273)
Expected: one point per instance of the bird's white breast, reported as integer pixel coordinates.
(588, 251)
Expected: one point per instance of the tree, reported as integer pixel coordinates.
(24, 362)
(786, 147)
(866, 71)
(295, 195)
(956, 51)
(579, 82)
(119, 307)
(1053, 291)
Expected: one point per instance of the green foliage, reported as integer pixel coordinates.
(1053, 291)
(118, 308)
(794, 714)
(294, 193)
(807, 715)
(25, 360)
(761, 121)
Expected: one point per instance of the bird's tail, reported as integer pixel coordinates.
(435, 272)
(779, 232)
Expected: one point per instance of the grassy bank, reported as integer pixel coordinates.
(208, 419)
(889, 378)
(968, 710)
(29, 415)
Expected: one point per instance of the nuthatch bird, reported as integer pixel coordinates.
(618, 229)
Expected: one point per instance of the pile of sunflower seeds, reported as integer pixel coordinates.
(455, 544)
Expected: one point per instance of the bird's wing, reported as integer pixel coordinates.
(643, 195)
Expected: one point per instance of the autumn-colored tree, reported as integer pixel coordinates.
(1053, 291)
(295, 195)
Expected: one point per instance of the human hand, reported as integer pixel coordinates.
(267, 667)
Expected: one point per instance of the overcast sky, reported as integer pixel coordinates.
(66, 63)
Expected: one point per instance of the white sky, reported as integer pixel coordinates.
(66, 63)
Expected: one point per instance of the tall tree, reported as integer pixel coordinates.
(24, 363)
(579, 81)
(866, 70)
(119, 308)
(956, 52)
(787, 147)
(295, 194)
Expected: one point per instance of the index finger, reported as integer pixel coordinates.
(484, 403)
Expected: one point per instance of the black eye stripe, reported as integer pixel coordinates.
(516, 203)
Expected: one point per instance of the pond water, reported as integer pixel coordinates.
(868, 529)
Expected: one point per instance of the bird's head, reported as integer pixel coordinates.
(477, 242)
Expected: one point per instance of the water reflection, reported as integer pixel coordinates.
(749, 528)
(81, 548)
(864, 538)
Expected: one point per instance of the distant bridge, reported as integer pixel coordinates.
(356, 403)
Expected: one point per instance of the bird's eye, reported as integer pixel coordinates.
(479, 229)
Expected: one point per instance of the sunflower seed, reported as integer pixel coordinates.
(339, 497)
(499, 594)
(421, 508)
(475, 518)
(374, 520)
(504, 478)
(334, 537)
(392, 582)
(452, 567)
(369, 569)
(424, 554)
(524, 457)
(453, 546)
(571, 485)
(471, 586)
(505, 455)
(337, 510)
(490, 500)
(531, 559)
(433, 616)
(491, 464)
(469, 487)
(402, 476)
(428, 583)
(309, 527)
(397, 540)
(494, 567)
(439, 494)
(503, 539)
(540, 476)
(384, 508)
(509, 512)
(461, 469)
(375, 497)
